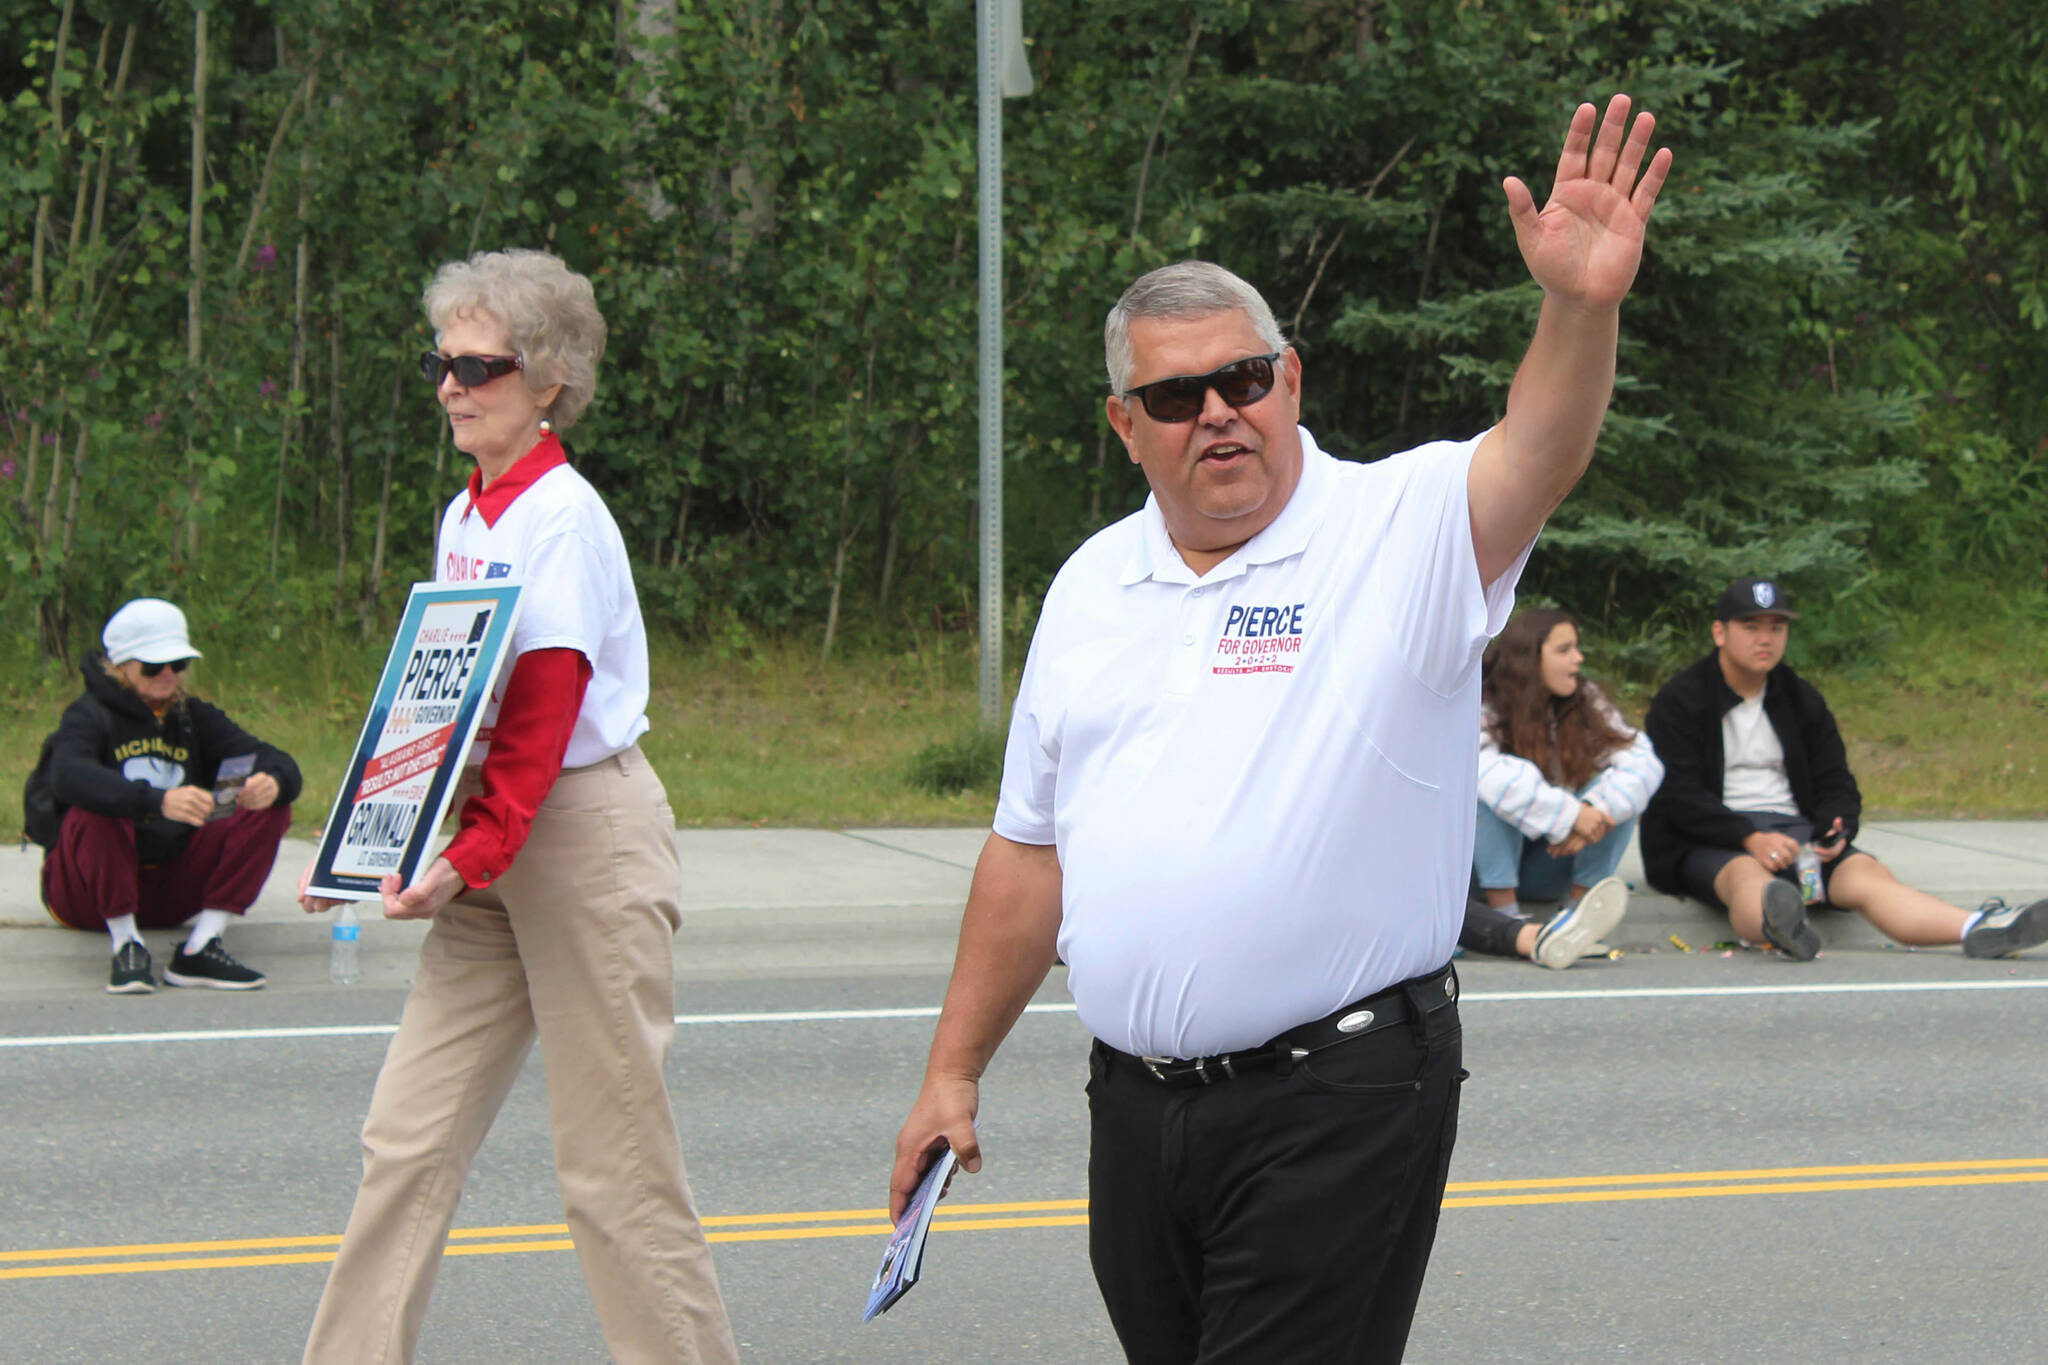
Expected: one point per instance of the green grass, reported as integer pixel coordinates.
(772, 738)
(1952, 721)
(1955, 727)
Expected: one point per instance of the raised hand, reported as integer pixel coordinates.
(1585, 244)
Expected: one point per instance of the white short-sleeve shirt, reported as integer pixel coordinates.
(557, 540)
(1260, 782)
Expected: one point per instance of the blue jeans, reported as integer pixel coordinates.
(1502, 860)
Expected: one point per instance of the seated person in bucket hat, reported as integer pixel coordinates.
(1754, 769)
(155, 808)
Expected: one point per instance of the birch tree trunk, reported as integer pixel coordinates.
(844, 538)
(646, 38)
(302, 95)
(38, 265)
(296, 393)
(337, 437)
(376, 581)
(195, 295)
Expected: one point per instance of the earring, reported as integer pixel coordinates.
(547, 428)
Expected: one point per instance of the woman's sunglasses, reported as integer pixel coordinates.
(470, 371)
(1241, 383)
(176, 666)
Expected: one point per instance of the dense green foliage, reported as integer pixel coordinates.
(1833, 368)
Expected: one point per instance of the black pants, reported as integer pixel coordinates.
(1274, 1218)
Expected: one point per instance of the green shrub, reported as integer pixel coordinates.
(970, 763)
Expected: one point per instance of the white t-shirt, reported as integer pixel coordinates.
(1260, 782)
(558, 541)
(1753, 767)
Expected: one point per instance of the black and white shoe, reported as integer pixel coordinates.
(130, 975)
(2002, 929)
(211, 966)
(1784, 923)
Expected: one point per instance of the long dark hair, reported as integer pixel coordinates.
(1567, 737)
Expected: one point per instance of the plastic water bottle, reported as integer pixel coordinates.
(1809, 874)
(342, 963)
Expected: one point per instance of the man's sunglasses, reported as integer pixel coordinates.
(1241, 383)
(470, 371)
(176, 666)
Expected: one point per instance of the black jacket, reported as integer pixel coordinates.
(1685, 726)
(111, 755)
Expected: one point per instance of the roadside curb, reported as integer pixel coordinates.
(796, 902)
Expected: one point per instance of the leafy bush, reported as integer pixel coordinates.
(970, 763)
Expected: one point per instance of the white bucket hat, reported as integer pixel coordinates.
(150, 630)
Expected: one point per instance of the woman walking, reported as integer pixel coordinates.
(554, 907)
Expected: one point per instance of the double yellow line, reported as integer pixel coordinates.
(145, 1258)
(239, 1253)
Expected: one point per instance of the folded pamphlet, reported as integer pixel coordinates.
(227, 783)
(904, 1256)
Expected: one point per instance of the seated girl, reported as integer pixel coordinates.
(1562, 779)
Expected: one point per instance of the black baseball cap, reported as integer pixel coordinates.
(1747, 597)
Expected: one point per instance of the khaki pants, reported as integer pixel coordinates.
(573, 943)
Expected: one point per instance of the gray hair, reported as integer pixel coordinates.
(1185, 289)
(549, 309)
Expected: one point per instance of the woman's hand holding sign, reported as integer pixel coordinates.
(311, 904)
(436, 886)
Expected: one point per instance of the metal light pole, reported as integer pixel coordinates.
(988, 64)
(1004, 73)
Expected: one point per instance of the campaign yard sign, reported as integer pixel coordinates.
(450, 647)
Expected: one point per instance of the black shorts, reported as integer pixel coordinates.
(1701, 864)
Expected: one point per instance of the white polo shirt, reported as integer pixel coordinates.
(1262, 782)
(557, 540)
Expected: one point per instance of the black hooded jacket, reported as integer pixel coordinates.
(113, 756)
(1685, 726)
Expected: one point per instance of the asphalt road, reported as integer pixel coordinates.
(1676, 1158)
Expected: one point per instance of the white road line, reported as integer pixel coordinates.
(1818, 988)
(241, 1035)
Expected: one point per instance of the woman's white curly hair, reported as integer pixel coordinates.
(549, 309)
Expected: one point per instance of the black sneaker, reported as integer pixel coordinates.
(1784, 923)
(131, 970)
(2005, 929)
(211, 966)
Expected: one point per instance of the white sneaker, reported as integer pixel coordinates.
(1575, 928)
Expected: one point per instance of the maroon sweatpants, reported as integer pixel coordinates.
(91, 876)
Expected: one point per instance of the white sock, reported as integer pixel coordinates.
(1970, 924)
(122, 930)
(206, 925)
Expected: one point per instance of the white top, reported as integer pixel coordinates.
(1260, 782)
(558, 541)
(1753, 767)
(1519, 792)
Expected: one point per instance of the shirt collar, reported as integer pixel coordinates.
(490, 503)
(1154, 555)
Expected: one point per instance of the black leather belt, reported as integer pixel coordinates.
(1394, 1005)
